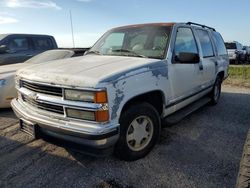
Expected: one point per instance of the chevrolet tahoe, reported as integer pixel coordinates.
(118, 94)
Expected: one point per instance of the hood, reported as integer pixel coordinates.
(12, 68)
(85, 71)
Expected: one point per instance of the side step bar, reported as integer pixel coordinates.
(182, 113)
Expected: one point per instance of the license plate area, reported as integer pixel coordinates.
(27, 127)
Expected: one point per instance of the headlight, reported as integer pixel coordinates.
(86, 96)
(2, 82)
(100, 97)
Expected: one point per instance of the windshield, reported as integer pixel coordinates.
(230, 45)
(143, 41)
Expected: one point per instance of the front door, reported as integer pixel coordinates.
(184, 78)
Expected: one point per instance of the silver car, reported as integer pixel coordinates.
(235, 52)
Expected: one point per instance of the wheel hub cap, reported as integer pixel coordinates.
(139, 133)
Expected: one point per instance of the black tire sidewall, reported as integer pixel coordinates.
(122, 150)
(217, 83)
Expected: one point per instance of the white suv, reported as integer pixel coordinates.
(120, 92)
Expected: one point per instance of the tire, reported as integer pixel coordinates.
(243, 179)
(216, 92)
(132, 146)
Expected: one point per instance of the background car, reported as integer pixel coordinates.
(235, 52)
(247, 50)
(17, 48)
(7, 72)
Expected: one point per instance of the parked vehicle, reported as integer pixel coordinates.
(247, 52)
(7, 72)
(17, 48)
(235, 52)
(116, 95)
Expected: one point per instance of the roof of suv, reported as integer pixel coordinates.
(147, 24)
(166, 24)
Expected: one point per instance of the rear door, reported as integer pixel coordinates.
(208, 58)
(222, 56)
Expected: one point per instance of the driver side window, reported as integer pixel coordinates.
(185, 41)
(18, 44)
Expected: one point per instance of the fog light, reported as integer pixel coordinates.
(80, 114)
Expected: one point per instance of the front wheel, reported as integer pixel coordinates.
(139, 132)
(216, 92)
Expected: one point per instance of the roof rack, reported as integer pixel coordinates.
(203, 26)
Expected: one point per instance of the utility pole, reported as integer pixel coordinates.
(72, 30)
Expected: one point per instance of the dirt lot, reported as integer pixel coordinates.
(203, 150)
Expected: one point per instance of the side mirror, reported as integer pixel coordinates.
(186, 57)
(3, 49)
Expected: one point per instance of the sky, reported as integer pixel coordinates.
(92, 18)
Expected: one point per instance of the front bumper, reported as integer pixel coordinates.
(87, 134)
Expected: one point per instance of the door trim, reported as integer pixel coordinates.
(189, 96)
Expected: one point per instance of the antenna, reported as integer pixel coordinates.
(72, 30)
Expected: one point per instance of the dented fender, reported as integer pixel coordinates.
(126, 85)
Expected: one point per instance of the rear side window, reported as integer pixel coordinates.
(185, 41)
(219, 44)
(206, 44)
(42, 43)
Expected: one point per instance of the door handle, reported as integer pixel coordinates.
(216, 63)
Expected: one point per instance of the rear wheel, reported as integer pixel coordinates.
(216, 92)
(139, 132)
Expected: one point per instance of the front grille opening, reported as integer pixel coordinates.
(39, 88)
(44, 106)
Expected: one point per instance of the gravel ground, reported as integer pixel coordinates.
(203, 150)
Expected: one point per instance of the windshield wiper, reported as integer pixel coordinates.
(93, 52)
(129, 51)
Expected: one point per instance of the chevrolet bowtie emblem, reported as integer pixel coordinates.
(33, 96)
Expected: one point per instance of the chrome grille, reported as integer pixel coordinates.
(39, 88)
(44, 106)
